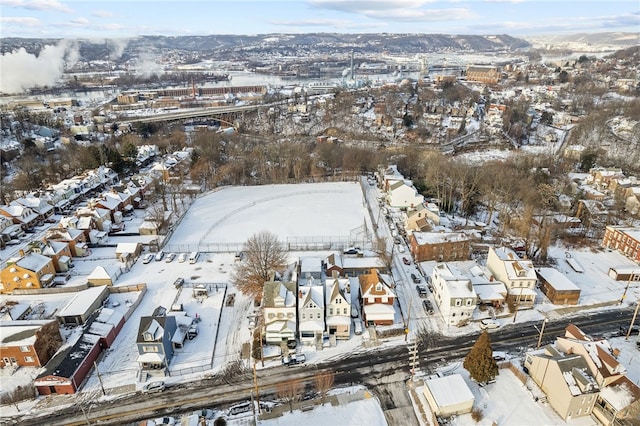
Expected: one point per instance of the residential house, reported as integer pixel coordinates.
(9, 230)
(29, 271)
(422, 218)
(402, 195)
(74, 237)
(38, 205)
(155, 348)
(280, 311)
(310, 314)
(28, 343)
(439, 246)
(559, 289)
(593, 214)
(376, 298)
(101, 218)
(310, 270)
(518, 275)
(58, 251)
(23, 216)
(453, 293)
(489, 291)
(338, 307)
(625, 239)
(565, 379)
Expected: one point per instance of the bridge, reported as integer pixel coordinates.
(195, 113)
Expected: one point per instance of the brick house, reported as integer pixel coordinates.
(28, 343)
(29, 271)
(439, 246)
(376, 298)
(624, 239)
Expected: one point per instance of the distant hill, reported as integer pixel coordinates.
(242, 46)
(609, 39)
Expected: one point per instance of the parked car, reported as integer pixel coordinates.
(182, 257)
(147, 258)
(170, 257)
(625, 328)
(354, 311)
(351, 250)
(179, 282)
(487, 324)
(427, 306)
(154, 387)
(422, 290)
(192, 332)
(415, 278)
(159, 256)
(430, 287)
(406, 261)
(294, 359)
(357, 327)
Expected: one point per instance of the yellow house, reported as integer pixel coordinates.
(30, 271)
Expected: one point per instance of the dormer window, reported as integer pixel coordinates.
(148, 337)
(378, 287)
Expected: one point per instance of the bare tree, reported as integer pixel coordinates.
(263, 254)
(324, 381)
(290, 391)
(380, 248)
(20, 393)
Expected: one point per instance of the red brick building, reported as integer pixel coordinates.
(28, 343)
(624, 239)
(439, 246)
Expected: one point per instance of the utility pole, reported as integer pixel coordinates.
(413, 352)
(255, 383)
(635, 313)
(406, 329)
(99, 378)
(625, 289)
(541, 332)
(515, 313)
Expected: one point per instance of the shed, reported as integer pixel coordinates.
(104, 275)
(559, 289)
(448, 395)
(625, 273)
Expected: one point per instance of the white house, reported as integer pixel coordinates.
(453, 293)
(518, 275)
(402, 195)
(310, 313)
(338, 303)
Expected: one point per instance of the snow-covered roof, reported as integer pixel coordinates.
(33, 262)
(439, 237)
(449, 390)
(82, 301)
(556, 279)
(20, 333)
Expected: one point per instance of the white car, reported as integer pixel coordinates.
(487, 324)
(148, 258)
(182, 258)
(170, 257)
(153, 387)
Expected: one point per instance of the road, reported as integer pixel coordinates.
(384, 371)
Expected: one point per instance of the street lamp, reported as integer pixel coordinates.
(541, 332)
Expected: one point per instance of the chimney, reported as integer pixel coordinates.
(299, 294)
(491, 278)
(21, 252)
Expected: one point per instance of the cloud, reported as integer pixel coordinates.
(79, 21)
(566, 25)
(354, 6)
(330, 23)
(42, 5)
(21, 21)
(426, 15)
(102, 13)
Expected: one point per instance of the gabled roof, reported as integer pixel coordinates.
(33, 262)
(308, 294)
(273, 289)
(368, 285)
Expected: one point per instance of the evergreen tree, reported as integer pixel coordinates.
(479, 361)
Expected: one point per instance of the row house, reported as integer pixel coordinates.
(565, 379)
(518, 275)
(20, 215)
(59, 252)
(29, 271)
(624, 239)
(338, 307)
(39, 206)
(454, 293)
(422, 218)
(9, 230)
(28, 343)
(75, 238)
(311, 311)
(439, 246)
(100, 218)
(279, 307)
(376, 298)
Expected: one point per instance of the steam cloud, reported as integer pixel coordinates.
(22, 71)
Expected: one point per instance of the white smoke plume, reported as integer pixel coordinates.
(22, 71)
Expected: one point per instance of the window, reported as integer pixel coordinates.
(378, 287)
(345, 311)
(338, 300)
(24, 349)
(330, 311)
(318, 316)
(290, 315)
(304, 316)
(280, 315)
(150, 349)
(469, 301)
(28, 359)
(458, 302)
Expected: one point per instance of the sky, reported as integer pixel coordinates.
(118, 18)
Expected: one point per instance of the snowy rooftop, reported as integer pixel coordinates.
(558, 280)
(449, 390)
(439, 237)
